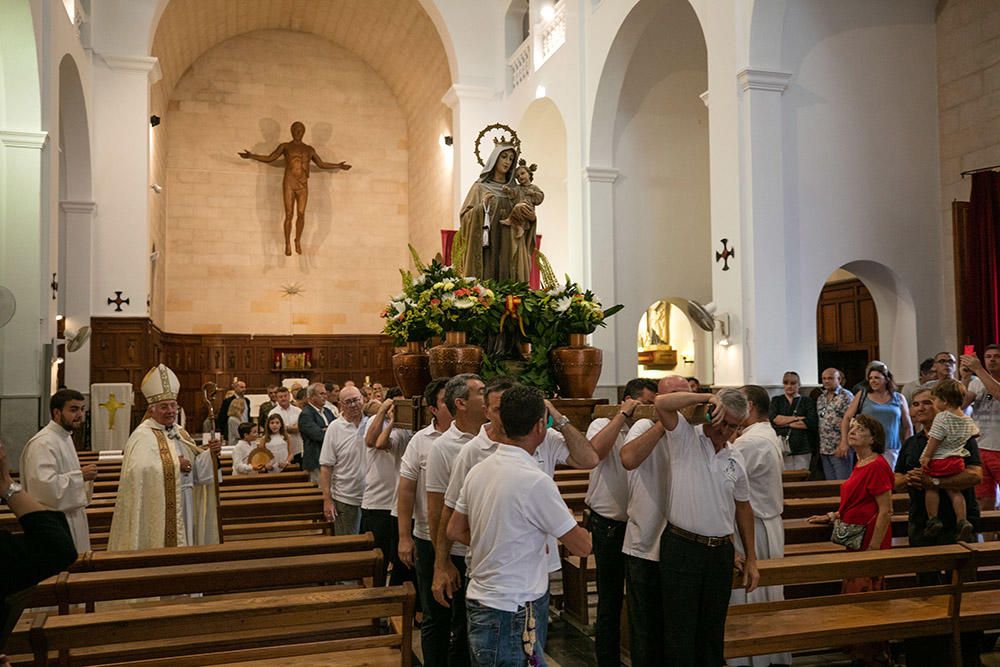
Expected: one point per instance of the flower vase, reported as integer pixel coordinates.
(576, 367)
(412, 369)
(454, 356)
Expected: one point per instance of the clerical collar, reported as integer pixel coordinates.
(62, 428)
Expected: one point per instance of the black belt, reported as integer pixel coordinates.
(699, 539)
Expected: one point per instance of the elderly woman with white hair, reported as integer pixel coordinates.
(709, 499)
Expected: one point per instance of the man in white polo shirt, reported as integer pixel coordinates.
(463, 395)
(384, 448)
(411, 504)
(646, 457)
(342, 472)
(709, 498)
(762, 458)
(507, 512)
(563, 445)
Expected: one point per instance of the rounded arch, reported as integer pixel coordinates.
(615, 68)
(896, 315)
(74, 132)
(20, 92)
(764, 45)
(543, 137)
(665, 326)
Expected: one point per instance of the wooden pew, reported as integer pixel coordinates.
(212, 631)
(801, 508)
(832, 621)
(102, 561)
(89, 588)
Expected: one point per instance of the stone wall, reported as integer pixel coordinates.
(224, 258)
(968, 46)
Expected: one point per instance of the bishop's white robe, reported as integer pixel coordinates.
(50, 471)
(157, 504)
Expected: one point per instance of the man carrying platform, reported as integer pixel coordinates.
(165, 495)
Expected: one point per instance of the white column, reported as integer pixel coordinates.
(121, 182)
(21, 266)
(766, 257)
(599, 272)
(76, 284)
(472, 109)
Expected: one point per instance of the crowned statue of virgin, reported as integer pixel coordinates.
(491, 246)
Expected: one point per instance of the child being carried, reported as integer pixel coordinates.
(944, 455)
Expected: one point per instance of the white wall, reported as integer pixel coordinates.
(543, 142)
(661, 199)
(860, 160)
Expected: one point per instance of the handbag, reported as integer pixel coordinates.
(850, 535)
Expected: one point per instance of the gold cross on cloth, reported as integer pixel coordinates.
(112, 406)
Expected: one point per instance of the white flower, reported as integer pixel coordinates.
(464, 303)
(562, 304)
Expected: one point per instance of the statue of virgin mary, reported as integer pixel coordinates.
(487, 244)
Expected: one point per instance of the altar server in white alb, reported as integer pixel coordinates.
(50, 469)
(165, 495)
(762, 457)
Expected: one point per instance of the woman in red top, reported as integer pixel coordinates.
(866, 499)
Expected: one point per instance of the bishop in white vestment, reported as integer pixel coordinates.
(166, 494)
(50, 468)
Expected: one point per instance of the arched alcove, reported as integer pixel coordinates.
(865, 311)
(399, 44)
(75, 212)
(651, 126)
(543, 140)
(668, 342)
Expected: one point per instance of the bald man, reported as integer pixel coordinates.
(341, 460)
(648, 480)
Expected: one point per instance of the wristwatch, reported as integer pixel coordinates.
(561, 423)
(13, 489)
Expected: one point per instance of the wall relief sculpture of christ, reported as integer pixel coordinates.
(295, 186)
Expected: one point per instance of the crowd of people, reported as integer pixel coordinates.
(468, 507)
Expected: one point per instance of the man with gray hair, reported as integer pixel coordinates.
(709, 500)
(313, 420)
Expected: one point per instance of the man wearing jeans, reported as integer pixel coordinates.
(506, 513)
(607, 498)
(709, 499)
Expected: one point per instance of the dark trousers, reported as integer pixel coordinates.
(385, 528)
(645, 611)
(443, 634)
(608, 536)
(696, 581)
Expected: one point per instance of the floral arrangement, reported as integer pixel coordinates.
(496, 316)
(577, 310)
(435, 301)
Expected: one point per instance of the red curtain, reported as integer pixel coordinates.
(980, 296)
(534, 281)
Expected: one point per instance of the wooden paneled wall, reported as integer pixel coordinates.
(123, 349)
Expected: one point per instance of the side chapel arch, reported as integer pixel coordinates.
(649, 137)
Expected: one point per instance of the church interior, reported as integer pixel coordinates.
(238, 190)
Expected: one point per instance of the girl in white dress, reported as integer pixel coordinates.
(276, 441)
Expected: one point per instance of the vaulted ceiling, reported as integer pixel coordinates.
(395, 37)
